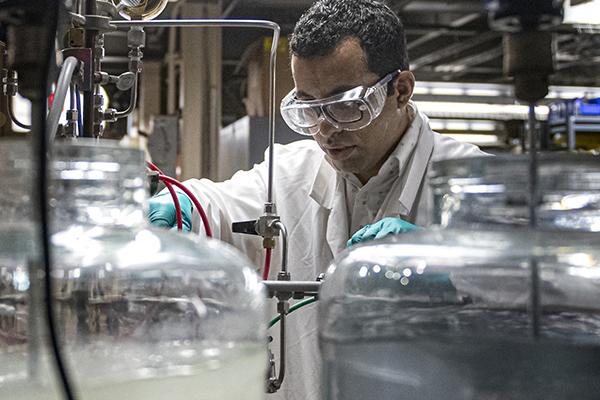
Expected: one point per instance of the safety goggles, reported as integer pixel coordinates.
(351, 110)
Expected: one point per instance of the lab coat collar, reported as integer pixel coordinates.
(325, 184)
(415, 169)
(328, 191)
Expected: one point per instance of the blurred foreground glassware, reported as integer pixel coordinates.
(143, 313)
(455, 314)
(495, 191)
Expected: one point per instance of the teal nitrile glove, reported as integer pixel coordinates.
(161, 211)
(381, 228)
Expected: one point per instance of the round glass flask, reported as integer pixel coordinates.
(142, 313)
(466, 315)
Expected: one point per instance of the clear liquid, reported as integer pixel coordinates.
(494, 359)
(236, 376)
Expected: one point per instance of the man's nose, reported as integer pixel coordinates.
(326, 129)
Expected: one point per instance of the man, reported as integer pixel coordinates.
(367, 164)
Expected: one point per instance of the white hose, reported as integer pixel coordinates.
(64, 81)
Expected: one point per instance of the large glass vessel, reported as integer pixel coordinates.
(142, 313)
(485, 191)
(451, 314)
(16, 243)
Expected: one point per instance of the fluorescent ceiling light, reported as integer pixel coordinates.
(444, 109)
(498, 90)
(582, 14)
(459, 89)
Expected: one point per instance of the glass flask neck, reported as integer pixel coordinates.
(99, 184)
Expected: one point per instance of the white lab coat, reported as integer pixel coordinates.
(310, 199)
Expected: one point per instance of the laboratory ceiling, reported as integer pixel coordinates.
(447, 40)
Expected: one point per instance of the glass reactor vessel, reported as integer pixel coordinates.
(464, 314)
(142, 313)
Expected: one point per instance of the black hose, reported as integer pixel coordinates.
(13, 117)
(40, 143)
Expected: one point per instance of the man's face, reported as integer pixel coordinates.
(360, 152)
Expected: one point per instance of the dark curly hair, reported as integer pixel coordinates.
(328, 22)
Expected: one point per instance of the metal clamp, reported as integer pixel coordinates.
(293, 289)
(98, 23)
(84, 75)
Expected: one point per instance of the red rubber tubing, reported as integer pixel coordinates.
(153, 167)
(193, 198)
(173, 196)
(177, 205)
(265, 274)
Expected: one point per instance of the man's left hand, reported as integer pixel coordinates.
(380, 229)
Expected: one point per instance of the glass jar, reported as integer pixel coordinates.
(142, 313)
(457, 314)
(495, 191)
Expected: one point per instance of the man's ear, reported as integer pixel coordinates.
(404, 85)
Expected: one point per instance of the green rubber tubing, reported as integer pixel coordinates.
(292, 309)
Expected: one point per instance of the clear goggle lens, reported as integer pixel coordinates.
(351, 110)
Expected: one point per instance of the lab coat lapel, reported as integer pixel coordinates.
(417, 169)
(401, 201)
(337, 223)
(328, 191)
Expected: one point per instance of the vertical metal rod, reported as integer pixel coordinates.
(272, 68)
(534, 305)
(34, 332)
(571, 139)
(533, 202)
(282, 350)
(533, 167)
(90, 8)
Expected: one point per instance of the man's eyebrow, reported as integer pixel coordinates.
(337, 90)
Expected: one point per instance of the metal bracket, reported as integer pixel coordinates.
(84, 55)
(99, 23)
(76, 37)
(292, 289)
